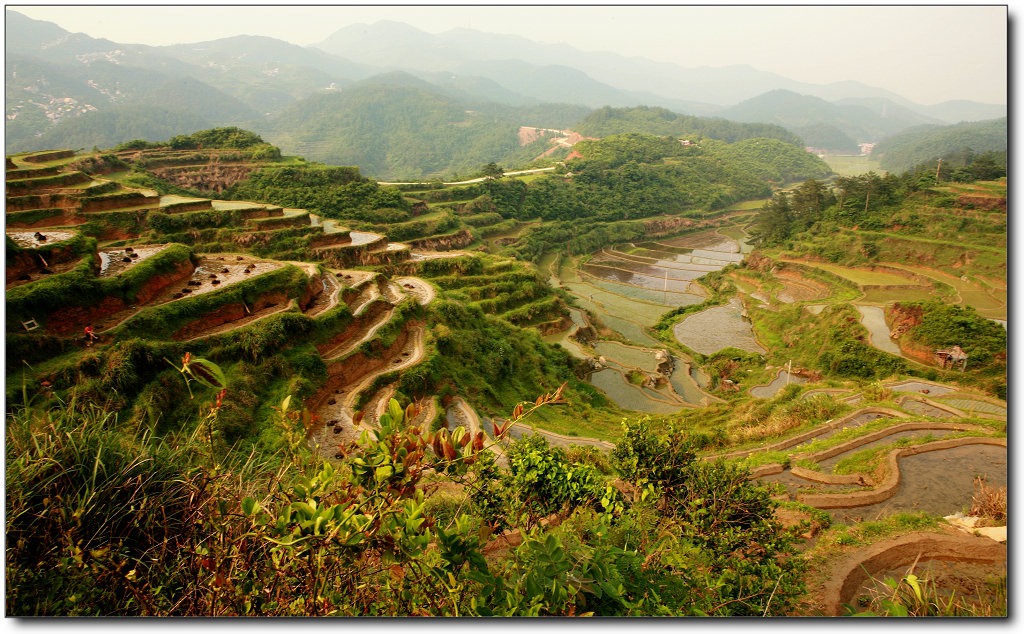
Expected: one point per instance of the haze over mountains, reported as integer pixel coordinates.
(66, 89)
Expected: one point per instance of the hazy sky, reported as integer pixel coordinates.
(925, 53)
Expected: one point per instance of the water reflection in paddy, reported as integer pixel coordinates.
(716, 328)
(937, 482)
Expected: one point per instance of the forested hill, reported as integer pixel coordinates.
(901, 152)
(403, 130)
(647, 120)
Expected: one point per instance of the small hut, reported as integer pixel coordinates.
(949, 357)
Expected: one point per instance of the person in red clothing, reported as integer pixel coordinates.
(90, 336)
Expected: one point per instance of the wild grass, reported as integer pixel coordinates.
(989, 503)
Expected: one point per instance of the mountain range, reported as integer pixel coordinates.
(55, 77)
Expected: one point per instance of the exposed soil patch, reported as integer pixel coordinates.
(327, 298)
(217, 272)
(233, 316)
(975, 560)
(422, 291)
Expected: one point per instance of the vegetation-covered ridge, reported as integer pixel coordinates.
(333, 404)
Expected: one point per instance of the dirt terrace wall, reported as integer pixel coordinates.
(262, 212)
(888, 487)
(27, 261)
(180, 208)
(43, 157)
(356, 366)
(229, 312)
(40, 201)
(344, 256)
(443, 243)
(313, 289)
(387, 256)
(279, 222)
(156, 284)
(70, 320)
(370, 315)
(29, 172)
(849, 573)
(106, 204)
(330, 239)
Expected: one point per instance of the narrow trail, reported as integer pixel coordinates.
(422, 290)
(364, 334)
(249, 319)
(328, 298)
(409, 355)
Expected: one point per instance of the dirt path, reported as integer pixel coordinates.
(328, 298)
(245, 321)
(422, 290)
(410, 354)
(368, 294)
(364, 334)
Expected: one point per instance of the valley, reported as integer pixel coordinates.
(805, 350)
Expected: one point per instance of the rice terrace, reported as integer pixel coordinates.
(396, 347)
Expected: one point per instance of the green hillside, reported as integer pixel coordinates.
(645, 120)
(901, 152)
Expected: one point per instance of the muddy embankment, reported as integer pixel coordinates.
(71, 319)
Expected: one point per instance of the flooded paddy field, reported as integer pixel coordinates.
(643, 275)
(937, 482)
(628, 396)
(716, 328)
(29, 239)
(873, 319)
(669, 299)
(116, 261)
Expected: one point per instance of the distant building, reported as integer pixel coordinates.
(686, 142)
(865, 148)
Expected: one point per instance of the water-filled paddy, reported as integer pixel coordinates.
(616, 305)
(708, 240)
(626, 395)
(684, 384)
(716, 328)
(919, 386)
(363, 237)
(976, 405)
(925, 409)
(112, 260)
(873, 319)
(28, 240)
(627, 355)
(889, 441)
(654, 279)
(668, 299)
(937, 482)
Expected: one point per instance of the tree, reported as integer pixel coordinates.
(493, 170)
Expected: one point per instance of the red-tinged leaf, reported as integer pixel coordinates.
(449, 451)
(540, 399)
(357, 418)
(207, 373)
(558, 394)
(411, 411)
(497, 430)
(478, 441)
(517, 413)
(437, 445)
(507, 426)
